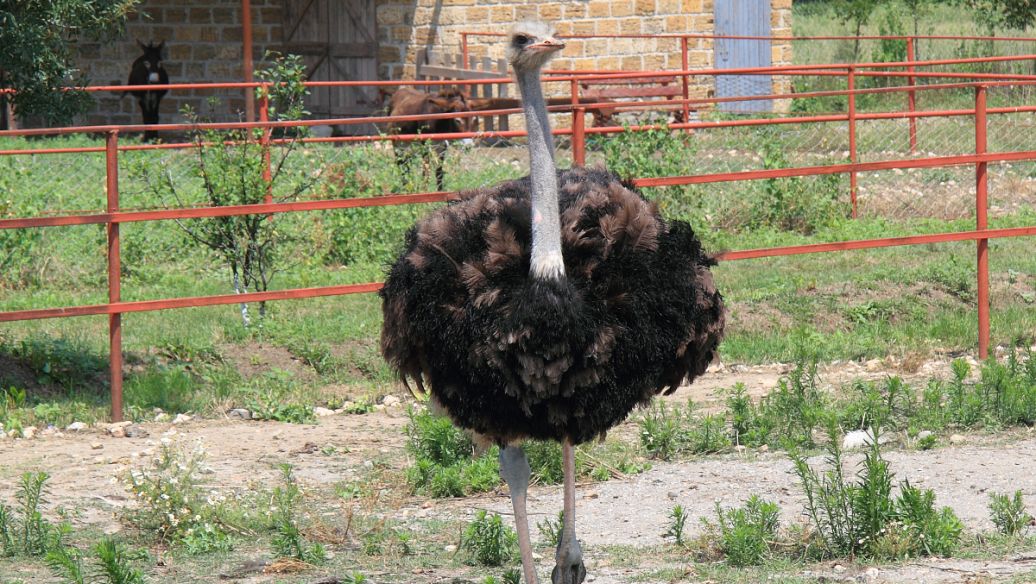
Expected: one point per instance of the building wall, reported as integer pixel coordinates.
(203, 44)
(406, 26)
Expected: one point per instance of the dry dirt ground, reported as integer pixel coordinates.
(631, 511)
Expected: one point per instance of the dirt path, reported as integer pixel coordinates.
(632, 511)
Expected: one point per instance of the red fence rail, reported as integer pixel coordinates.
(113, 216)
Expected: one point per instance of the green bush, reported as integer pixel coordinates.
(677, 521)
(1008, 512)
(488, 541)
(861, 516)
(746, 533)
(443, 459)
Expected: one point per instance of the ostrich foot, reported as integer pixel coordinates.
(569, 563)
(514, 469)
(568, 568)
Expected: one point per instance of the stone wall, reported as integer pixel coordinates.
(203, 39)
(203, 44)
(405, 27)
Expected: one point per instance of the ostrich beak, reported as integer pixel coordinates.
(548, 45)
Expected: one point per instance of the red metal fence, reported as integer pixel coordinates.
(979, 158)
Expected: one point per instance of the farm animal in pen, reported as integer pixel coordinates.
(548, 307)
(147, 70)
(407, 101)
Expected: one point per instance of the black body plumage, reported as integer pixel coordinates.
(513, 357)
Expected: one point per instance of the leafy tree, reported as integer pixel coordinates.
(856, 13)
(35, 51)
(1000, 14)
(230, 165)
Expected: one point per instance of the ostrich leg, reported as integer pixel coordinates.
(569, 557)
(514, 468)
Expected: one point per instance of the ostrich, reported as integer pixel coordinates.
(548, 307)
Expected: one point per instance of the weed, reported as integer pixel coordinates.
(861, 517)
(114, 561)
(172, 505)
(512, 576)
(677, 519)
(745, 533)
(488, 541)
(1008, 512)
(443, 464)
(550, 529)
(287, 540)
(277, 400)
(24, 531)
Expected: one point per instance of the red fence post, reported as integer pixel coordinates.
(853, 158)
(111, 156)
(981, 195)
(911, 95)
(264, 116)
(686, 64)
(578, 136)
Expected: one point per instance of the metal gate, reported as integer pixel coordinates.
(338, 40)
(743, 18)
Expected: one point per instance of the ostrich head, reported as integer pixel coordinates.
(531, 44)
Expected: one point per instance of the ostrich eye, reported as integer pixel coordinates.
(521, 39)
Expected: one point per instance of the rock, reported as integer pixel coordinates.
(161, 417)
(764, 448)
(29, 432)
(136, 432)
(240, 414)
(871, 575)
(839, 568)
(181, 418)
(49, 431)
(857, 439)
(390, 401)
(321, 412)
(956, 439)
(76, 427)
(122, 424)
(96, 445)
(12, 433)
(923, 434)
(537, 556)
(450, 548)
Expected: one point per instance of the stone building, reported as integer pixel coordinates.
(380, 39)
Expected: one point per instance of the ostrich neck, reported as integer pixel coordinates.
(546, 261)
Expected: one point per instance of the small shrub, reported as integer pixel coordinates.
(288, 541)
(23, 529)
(928, 442)
(677, 520)
(172, 505)
(488, 541)
(114, 563)
(861, 517)
(1008, 512)
(745, 533)
(443, 465)
(550, 529)
(665, 432)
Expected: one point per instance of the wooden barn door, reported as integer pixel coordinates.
(743, 18)
(339, 42)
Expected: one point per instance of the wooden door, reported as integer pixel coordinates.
(743, 18)
(339, 42)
